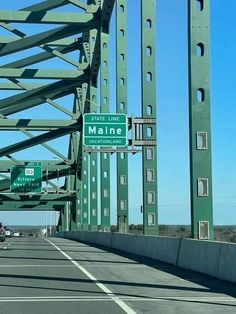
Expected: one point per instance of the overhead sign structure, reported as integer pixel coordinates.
(26, 178)
(105, 130)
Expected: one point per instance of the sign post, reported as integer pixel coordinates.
(26, 178)
(105, 130)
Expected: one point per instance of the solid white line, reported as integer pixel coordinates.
(109, 298)
(119, 302)
(58, 266)
(32, 266)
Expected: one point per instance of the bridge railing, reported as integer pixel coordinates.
(213, 258)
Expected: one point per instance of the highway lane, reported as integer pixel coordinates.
(63, 276)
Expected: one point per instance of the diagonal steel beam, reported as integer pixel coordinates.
(45, 99)
(52, 52)
(45, 37)
(45, 5)
(64, 42)
(33, 97)
(37, 140)
(47, 55)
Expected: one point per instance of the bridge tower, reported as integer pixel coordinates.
(51, 76)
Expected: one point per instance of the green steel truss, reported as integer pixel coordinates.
(200, 123)
(77, 184)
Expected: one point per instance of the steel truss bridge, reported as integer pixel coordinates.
(80, 38)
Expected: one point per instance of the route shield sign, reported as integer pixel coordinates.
(26, 178)
(105, 130)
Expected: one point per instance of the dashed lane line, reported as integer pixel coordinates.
(104, 288)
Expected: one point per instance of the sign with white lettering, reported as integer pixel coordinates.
(26, 178)
(105, 130)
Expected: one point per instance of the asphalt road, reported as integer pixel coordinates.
(62, 276)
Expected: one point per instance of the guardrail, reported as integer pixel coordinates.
(213, 258)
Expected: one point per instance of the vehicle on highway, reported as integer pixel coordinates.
(16, 234)
(7, 233)
(2, 233)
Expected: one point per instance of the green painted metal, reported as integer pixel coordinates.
(36, 125)
(93, 160)
(77, 198)
(199, 110)
(34, 141)
(104, 100)
(149, 155)
(121, 107)
(85, 167)
(40, 74)
(77, 19)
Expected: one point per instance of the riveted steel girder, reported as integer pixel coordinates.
(200, 120)
(149, 155)
(36, 125)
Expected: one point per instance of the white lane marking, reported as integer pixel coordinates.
(117, 300)
(58, 266)
(108, 298)
(32, 266)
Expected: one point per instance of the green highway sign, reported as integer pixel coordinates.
(105, 130)
(26, 178)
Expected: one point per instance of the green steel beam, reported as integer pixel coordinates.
(63, 43)
(46, 5)
(36, 140)
(44, 99)
(35, 125)
(40, 74)
(26, 100)
(93, 161)
(79, 4)
(43, 56)
(51, 165)
(200, 125)
(44, 17)
(8, 198)
(93, 174)
(48, 147)
(29, 207)
(44, 38)
(85, 168)
(4, 184)
(121, 107)
(13, 86)
(149, 155)
(105, 100)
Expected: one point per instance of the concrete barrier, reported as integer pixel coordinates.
(201, 256)
(227, 260)
(216, 259)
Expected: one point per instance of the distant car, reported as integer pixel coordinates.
(30, 235)
(2, 233)
(8, 233)
(16, 234)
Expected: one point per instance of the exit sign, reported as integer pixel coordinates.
(26, 178)
(105, 130)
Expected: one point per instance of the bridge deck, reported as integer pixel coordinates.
(63, 276)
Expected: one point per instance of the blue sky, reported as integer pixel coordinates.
(172, 105)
